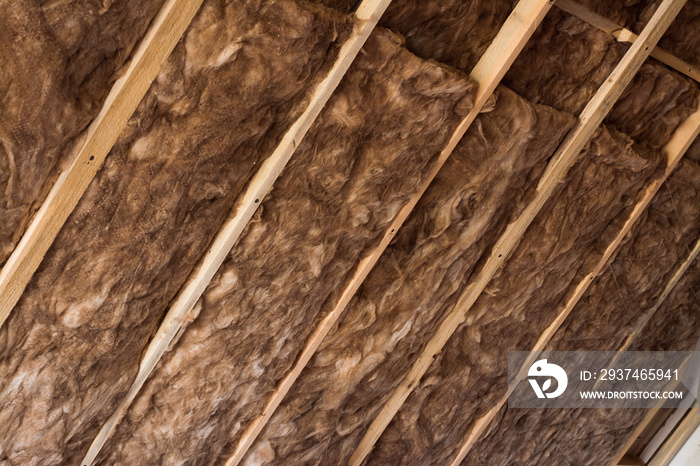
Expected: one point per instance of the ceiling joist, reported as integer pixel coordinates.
(124, 97)
(589, 120)
(367, 16)
(488, 73)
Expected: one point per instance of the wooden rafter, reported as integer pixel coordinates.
(678, 438)
(589, 120)
(625, 36)
(674, 150)
(488, 72)
(367, 16)
(653, 413)
(124, 97)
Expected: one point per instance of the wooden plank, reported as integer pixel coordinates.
(626, 36)
(488, 72)
(589, 120)
(630, 461)
(643, 426)
(674, 443)
(665, 429)
(674, 150)
(124, 97)
(367, 15)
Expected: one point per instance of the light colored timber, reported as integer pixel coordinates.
(674, 150)
(674, 443)
(367, 16)
(124, 97)
(626, 36)
(487, 73)
(651, 414)
(589, 120)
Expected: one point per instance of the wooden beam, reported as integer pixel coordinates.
(367, 16)
(589, 120)
(674, 150)
(630, 461)
(124, 97)
(626, 36)
(488, 72)
(651, 414)
(674, 443)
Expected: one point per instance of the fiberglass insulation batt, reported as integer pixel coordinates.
(223, 100)
(59, 60)
(567, 60)
(364, 158)
(602, 320)
(565, 240)
(630, 285)
(484, 184)
(592, 436)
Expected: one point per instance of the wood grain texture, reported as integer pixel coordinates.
(126, 94)
(592, 115)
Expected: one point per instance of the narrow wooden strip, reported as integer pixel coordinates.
(674, 150)
(589, 120)
(666, 429)
(126, 94)
(626, 36)
(368, 15)
(642, 426)
(488, 72)
(674, 443)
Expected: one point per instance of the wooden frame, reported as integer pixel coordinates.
(674, 150)
(625, 36)
(589, 120)
(488, 72)
(678, 438)
(124, 97)
(367, 16)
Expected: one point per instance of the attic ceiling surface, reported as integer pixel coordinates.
(294, 232)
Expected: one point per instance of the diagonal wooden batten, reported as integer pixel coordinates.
(625, 36)
(367, 16)
(488, 72)
(674, 150)
(648, 419)
(127, 92)
(678, 438)
(564, 158)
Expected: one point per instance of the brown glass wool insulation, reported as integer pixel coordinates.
(675, 326)
(59, 60)
(556, 437)
(360, 163)
(567, 60)
(631, 284)
(592, 436)
(567, 237)
(72, 344)
(693, 152)
(485, 183)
